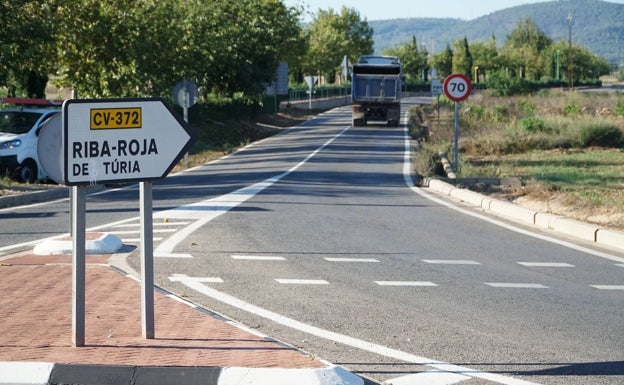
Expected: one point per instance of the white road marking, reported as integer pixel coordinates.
(155, 231)
(608, 287)
(172, 255)
(302, 281)
(619, 264)
(135, 240)
(197, 285)
(184, 278)
(258, 258)
(207, 210)
(430, 377)
(363, 260)
(405, 283)
(517, 285)
(545, 264)
(131, 225)
(451, 261)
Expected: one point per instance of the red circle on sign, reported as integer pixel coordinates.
(457, 87)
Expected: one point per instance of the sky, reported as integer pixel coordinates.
(394, 9)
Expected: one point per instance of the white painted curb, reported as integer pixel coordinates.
(330, 375)
(25, 373)
(556, 223)
(105, 244)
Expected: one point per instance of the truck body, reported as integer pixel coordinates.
(376, 90)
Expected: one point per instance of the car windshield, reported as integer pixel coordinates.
(17, 122)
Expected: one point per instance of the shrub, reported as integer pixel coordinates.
(526, 107)
(600, 134)
(534, 125)
(572, 109)
(619, 107)
(427, 162)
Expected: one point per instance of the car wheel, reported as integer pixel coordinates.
(27, 172)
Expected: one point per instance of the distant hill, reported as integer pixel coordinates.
(596, 24)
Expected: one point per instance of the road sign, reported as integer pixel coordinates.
(457, 87)
(310, 80)
(184, 93)
(121, 140)
(436, 87)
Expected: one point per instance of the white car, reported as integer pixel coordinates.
(19, 130)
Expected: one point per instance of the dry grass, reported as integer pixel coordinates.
(549, 141)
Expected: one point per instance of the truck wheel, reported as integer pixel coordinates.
(358, 122)
(27, 172)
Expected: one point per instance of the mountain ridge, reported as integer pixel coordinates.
(597, 25)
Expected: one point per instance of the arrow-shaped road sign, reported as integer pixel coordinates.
(121, 140)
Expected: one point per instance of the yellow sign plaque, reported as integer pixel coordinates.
(115, 118)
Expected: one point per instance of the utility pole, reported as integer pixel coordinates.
(570, 72)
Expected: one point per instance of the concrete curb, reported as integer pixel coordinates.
(570, 227)
(45, 373)
(34, 197)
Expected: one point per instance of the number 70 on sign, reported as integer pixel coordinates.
(457, 87)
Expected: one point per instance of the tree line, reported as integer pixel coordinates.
(527, 55)
(132, 48)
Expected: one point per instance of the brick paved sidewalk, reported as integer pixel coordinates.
(36, 323)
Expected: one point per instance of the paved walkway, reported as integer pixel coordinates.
(36, 324)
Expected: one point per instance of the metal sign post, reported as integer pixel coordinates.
(457, 87)
(78, 224)
(147, 260)
(310, 80)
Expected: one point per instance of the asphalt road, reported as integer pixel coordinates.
(315, 237)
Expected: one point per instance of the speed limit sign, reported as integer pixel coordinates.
(457, 87)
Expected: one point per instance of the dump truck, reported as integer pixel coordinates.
(376, 90)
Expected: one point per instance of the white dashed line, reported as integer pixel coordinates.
(364, 260)
(302, 281)
(619, 264)
(517, 285)
(130, 225)
(608, 287)
(405, 283)
(451, 261)
(258, 258)
(183, 278)
(133, 240)
(545, 264)
(122, 232)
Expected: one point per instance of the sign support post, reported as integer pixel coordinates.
(456, 139)
(78, 224)
(457, 87)
(147, 260)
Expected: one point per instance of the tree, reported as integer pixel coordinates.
(143, 47)
(462, 58)
(443, 62)
(484, 58)
(332, 35)
(413, 59)
(26, 46)
(522, 52)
